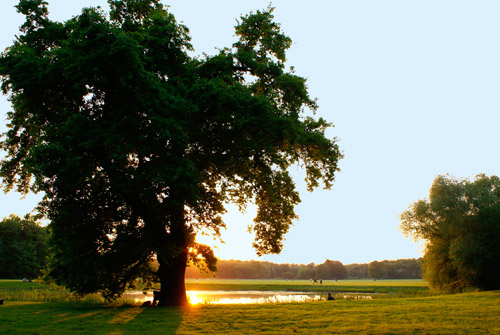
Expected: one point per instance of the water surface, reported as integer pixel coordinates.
(235, 297)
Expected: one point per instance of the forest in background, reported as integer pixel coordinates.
(24, 253)
(236, 269)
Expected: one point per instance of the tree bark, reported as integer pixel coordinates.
(173, 287)
(173, 259)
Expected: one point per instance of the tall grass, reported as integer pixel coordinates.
(17, 290)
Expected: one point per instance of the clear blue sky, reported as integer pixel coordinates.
(413, 88)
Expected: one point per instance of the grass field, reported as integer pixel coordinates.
(468, 313)
(399, 287)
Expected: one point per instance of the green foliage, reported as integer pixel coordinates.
(461, 225)
(397, 269)
(23, 247)
(236, 269)
(331, 270)
(376, 270)
(357, 271)
(306, 273)
(137, 146)
(394, 269)
(403, 268)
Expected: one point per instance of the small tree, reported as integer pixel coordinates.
(137, 146)
(461, 226)
(23, 247)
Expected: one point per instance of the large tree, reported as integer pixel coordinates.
(460, 223)
(138, 146)
(23, 247)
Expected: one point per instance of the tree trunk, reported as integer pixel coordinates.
(173, 259)
(173, 287)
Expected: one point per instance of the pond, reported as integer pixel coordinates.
(235, 297)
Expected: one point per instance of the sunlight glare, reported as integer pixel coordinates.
(193, 297)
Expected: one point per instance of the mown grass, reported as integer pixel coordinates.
(468, 313)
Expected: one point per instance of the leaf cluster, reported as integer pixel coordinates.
(23, 248)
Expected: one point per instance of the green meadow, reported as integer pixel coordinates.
(401, 307)
(389, 287)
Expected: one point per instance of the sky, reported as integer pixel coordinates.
(412, 87)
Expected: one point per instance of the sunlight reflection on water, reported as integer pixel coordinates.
(234, 297)
(248, 297)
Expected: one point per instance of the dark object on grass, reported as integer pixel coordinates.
(330, 297)
(1, 301)
(146, 304)
(156, 297)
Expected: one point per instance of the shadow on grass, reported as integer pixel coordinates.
(74, 318)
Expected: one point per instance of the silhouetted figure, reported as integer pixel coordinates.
(330, 297)
(156, 297)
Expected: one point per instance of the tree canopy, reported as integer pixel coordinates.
(460, 223)
(23, 248)
(138, 146)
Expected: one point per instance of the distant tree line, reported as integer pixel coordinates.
(329, 270)
(236, 269)
(24, 252)
(398, 269)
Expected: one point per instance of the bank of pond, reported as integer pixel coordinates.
(398, 307)
(248, 297)
(228, 291)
